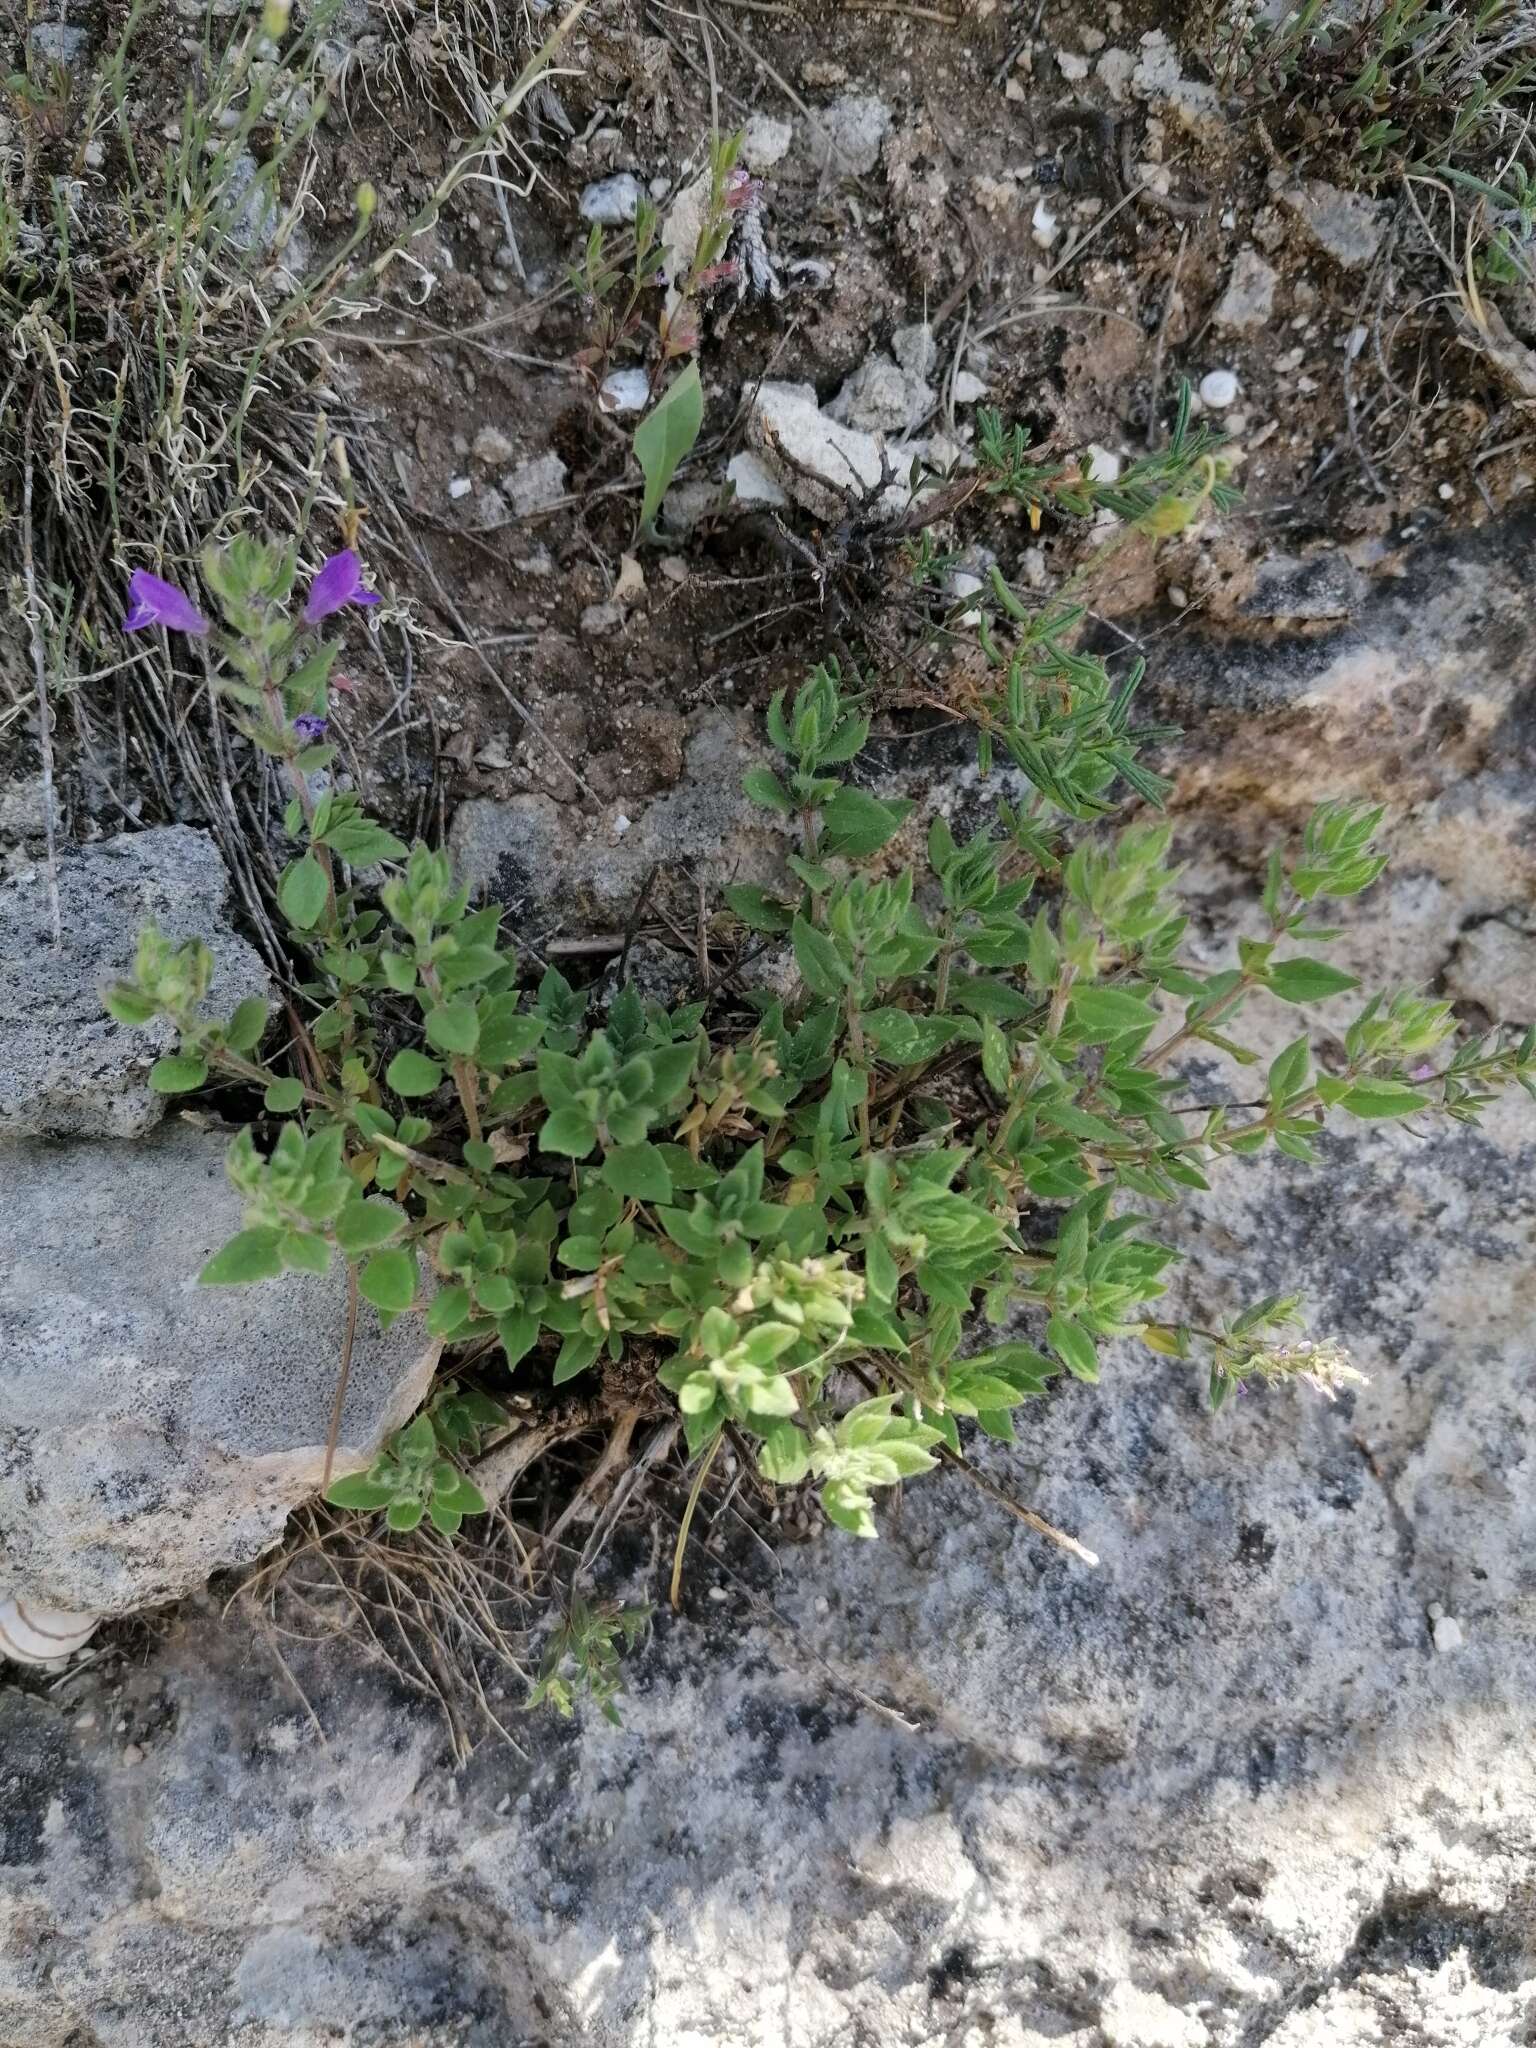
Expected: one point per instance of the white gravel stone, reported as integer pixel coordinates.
(535, 485)
(611, 202)
(765, 142)
(624, 391)
(753, 484)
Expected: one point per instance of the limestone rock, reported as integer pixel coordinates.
(882, 397)
(155, 1431)
(1321, 586)
(1249, 299)
(821, 463)
(66, 1067)
(753, 485)
(765, 141)
(1494, 966)
(611, 202)
(536, 485)
(847, 135)
(1347, 226)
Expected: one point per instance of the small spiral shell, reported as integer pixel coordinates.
(41, 1635)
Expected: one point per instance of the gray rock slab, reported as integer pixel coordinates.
(66, 1067)
(152, 1431)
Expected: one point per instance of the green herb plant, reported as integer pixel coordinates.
(902, 1194)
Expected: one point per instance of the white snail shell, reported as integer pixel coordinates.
(41, 1635)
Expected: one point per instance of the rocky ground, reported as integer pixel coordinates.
(1260, 1779)
(1263, 1776)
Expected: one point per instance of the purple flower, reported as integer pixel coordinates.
(154, 602)
(339, 582)
(309, 726)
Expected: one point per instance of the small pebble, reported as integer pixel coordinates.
(134, 1755)
(719, 1595)
(1218, 389)
(621, 824)
(1448, 1633)
(1103, 464)
(611, 202)
(1447, 491)
(624, 391)
(459, 487)
(1044, 225)
(491, 447)
(599, 620)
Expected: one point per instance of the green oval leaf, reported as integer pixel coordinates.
(249, 1255)
(389, 1281)
(178, 1072)
(246, 1029)
(302, 892)
(454, 1029)
(362, 1226)
(359, 1490)
(1073, 1346)
(1307, 981)
(1099, 1013)
(1383, 1098)
(640, 1171)
(665, 436)
(412, 1073)
(284, 1096)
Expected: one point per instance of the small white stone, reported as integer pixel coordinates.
(1448, 1634)
(1115, 68)
(491, 447)
(1044, 225)
(1073, 67)
(765, 141)
(1178, 597)
(535, 485)
(611, 202)
(1447, 491)
(621, 824)
(1103, 464)
(459, 487)
(624, 391)
(968, 387)
(753, 485)
(1218, 389)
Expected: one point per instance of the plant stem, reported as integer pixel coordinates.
(334, 1432)
(856, 1040)
(675, 1591)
